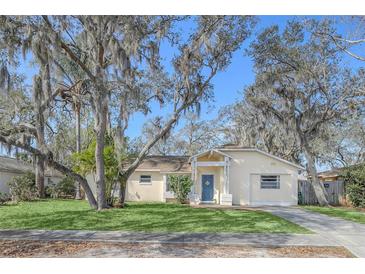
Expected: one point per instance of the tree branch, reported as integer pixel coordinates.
(69, 51)
(20, 128)
(54, 164)
(187, 103)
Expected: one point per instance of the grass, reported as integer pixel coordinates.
(350, 214)
(148, 217)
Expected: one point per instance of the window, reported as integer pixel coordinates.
(270, 182)
(168, 188)
(145, 179)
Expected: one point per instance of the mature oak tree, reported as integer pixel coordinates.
(119, 57)
(302, 83)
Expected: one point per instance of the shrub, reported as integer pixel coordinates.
(51, 190)
(64, 189)
(356, 194)
(23, 188)
(354, 178)
(180, 185)
(4, 198)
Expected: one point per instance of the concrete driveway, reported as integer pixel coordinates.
(345, 233)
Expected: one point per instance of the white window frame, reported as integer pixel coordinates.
(277, 182)
(145, 183)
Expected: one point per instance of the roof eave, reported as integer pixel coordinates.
(210, 150)
(265, 153)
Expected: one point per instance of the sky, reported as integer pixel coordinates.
(228, 85)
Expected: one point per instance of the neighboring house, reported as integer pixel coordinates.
(332, 175)
(227, 175)
(333, 185)
(11, 167)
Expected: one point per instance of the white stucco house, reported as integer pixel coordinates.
(229, 175)
(11, 167)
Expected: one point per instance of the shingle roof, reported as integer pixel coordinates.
(336, 172)
(166, 163)
(234, 146)
(9, 164)
(330, 173)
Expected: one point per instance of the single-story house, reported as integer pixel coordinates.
(229, 175)
(11, 167)
(332, 175)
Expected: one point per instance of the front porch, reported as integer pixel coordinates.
(210, 176)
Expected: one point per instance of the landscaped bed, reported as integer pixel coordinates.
(156, 217)
(351, 214)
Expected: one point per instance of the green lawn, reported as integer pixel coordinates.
(341, 212)
(70, 214)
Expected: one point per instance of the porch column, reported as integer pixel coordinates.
(226, 197)
(225, 177)
(164, 177)
(194, 198)
(227, 163)
(195, 176)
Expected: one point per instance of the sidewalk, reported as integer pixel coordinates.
(349, 234)
(257, 239)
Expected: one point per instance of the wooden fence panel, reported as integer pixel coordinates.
(335, 193)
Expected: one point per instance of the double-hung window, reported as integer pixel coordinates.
(145, 179)
(270, 182)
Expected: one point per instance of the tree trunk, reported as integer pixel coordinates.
(39, 177)
(122, 190)
(78, 148)
(100, 129)
(317, 185)
(124, 175)
(54, 164)
(40, 163)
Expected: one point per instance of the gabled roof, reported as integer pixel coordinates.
(210, 151)
(330, 173)
(179, 164)
(237, 148)
(234, 146)
(336, 172)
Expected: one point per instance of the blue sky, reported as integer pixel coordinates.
(229, 84)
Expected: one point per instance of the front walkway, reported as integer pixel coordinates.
(336, 230)
(256, 239)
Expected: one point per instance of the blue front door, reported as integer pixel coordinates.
(207, 187)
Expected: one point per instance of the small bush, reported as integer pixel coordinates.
(180, 186)
(23, 188)
(51, 190)
(354, 178)
(4, 198)
(356, 194)
(64, 189)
